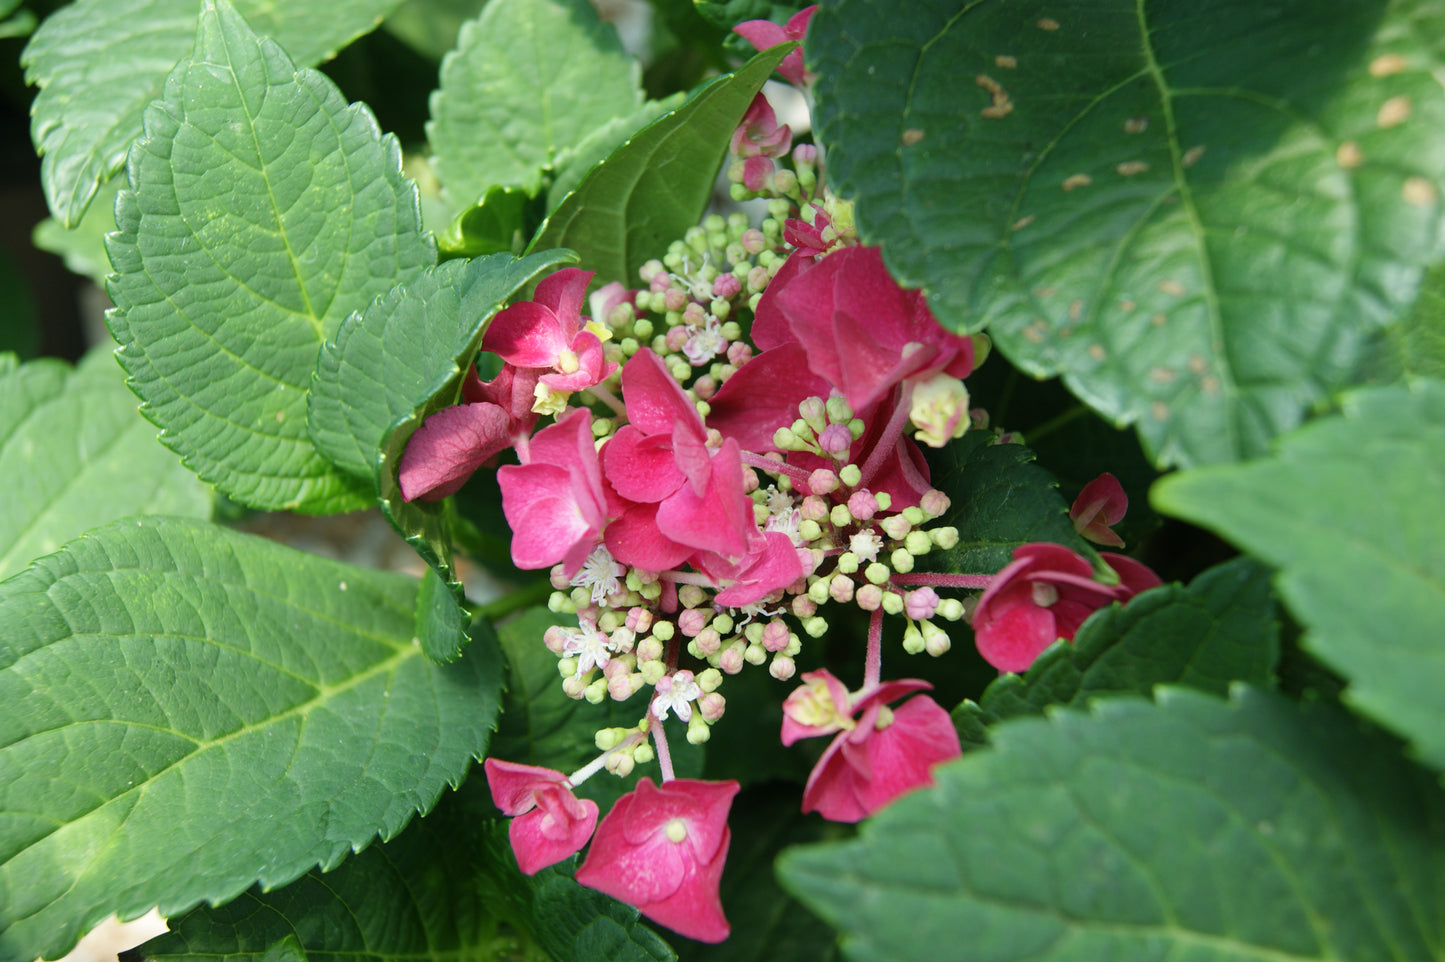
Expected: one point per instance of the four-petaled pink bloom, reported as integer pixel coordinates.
(763, 34)
(555, 503)
(549, 823)
(661, 850)
(1099, 507)
(862, 332)
(548, 333)
(878, 753)
(1045, 594)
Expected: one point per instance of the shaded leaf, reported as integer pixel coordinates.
(1197, 217)
(83, 246)
(1351, 509)
(528, 79)
(78, 455)
(186, 711)
(998, 499)
(1194, 828)
(262, 211)
(656, 185)
(497, 224)
(84, 118)
(1219, 630)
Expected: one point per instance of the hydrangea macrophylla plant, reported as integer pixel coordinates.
(728, 468)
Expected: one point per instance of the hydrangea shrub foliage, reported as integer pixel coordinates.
(888, 481)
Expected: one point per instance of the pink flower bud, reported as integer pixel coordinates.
(730, 661)
(726, 285)
(639, 619)
(869, 597)
(708, 642)
(739, 353)
(934, 503)
(836, 440)
(692, 621)
(711, 706)
(862, 505)
(920, 603)
(813, 508)
(775, 636)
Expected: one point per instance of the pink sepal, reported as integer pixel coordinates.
(451, 444)
(555, 503)
(772, 565)
(763, 34)
(1101, 505)
(866, 768)
(763, 396)
(671, 880)
(549, 823)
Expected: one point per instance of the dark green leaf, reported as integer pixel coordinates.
(496, 225)
(262, 211)
(186, 711)
(643, 197)
(1248, 831)
(19, 324)
(1351, 509)
(420, 896)
(529, 78)
(78, 455)
(1195, 215)
(1219, 630)
(998, 500)
(100, 62)
(1416, 346)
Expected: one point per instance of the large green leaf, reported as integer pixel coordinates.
(1197, 215)
(1249, 831)
(262, 211)
(648, 193)
(1351, 509)
(78, 455)
(1219, 630)
(419, 896)
(100, 62)
(998, 499)
(186, 711)
(529, 79)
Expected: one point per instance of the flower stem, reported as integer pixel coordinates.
(873, 660)
(664, 758)
(888, 440)
(608, 398)
(797, 475)
(593, 767)
(942, 580)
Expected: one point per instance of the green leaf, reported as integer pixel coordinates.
(1351, 509)
(1219, 630)
(83, 246)
(496, 224)
(262, 211)
(1191, 829)
(1197, 220)
(186, 711)
(397, 362)
(100, 62)
(998, 499)
(529, 78)
(430, 27)
(574, 164)
(648, 193)
(78, 455)
(420, 896)
(17, 26)
(1416, 346)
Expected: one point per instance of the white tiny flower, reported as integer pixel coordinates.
(677, 693)
(601, 574)
(706, 342)
(866, 545)
(590, 647)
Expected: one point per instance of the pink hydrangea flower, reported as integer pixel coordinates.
(555, 502)
(763, 34)
(862, 332)
(1045, 594)
(758, 139)
(661, 850)
(1101, 505)
(548, 333)
(549, 823)
(452, 443)
(685, 495)
(878, 753)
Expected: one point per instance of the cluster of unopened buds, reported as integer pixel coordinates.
(729, 462)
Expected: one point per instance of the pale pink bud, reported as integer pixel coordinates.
(804, 607)
(836, 439)
(639, 619)
(676, 338)
(813, 507)
(739, 353)
(934, 503)
(726, 285)
(730, 661)
(869, 597)
(555, 638)
(920, 603)
(692, 621)
(840, 589)
(862, 505)
(705, 387)
(775, 636)
(676, 299)
(708, 642)
(711, 706)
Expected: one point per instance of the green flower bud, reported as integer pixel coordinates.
(902, 561)
(877, 572)
(892, 603)
(851, 475)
